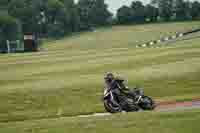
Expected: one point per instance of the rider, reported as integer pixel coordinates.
(117, 86)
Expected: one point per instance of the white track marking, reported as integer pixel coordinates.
(180, 35)
(158, 41)
(166, 38)
(94, 115)
(144, 45)
(151, 43)
(173, 37)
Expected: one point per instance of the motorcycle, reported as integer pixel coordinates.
(135, 101)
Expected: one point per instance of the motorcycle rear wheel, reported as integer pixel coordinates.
(147, 104)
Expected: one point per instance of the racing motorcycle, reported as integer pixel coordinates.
(135, 101)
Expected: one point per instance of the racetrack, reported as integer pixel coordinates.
(164, 107)
(177, 106)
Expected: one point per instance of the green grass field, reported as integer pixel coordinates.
(120, 36)
(66, 79)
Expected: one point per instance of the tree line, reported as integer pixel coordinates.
(159, 10)
(57, 18)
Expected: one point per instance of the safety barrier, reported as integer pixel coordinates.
(169, 38)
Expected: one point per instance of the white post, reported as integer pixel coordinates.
(8, 45)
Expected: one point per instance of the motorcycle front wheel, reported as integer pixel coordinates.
(110, 107)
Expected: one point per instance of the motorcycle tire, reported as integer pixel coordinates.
(147, 104)
(111, 108)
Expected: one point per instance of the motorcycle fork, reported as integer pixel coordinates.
(113, 100)
(140, 97)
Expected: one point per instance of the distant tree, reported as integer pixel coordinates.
(138, 11)
(93, 13)
(188, 9)
(4, 3)
(165, 8)
(151, 13)
(9, 30)
(8, 27)
(56, 16)
(51, 17)
(72, 25)
(124, 15)
(180, 10)
(100, 14)
(24, 11)
(195, 10)
(84, 11)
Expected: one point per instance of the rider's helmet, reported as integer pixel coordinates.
(109, 77)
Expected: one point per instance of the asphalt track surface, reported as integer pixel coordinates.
(163, 107)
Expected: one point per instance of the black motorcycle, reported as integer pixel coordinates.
(135, 100)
